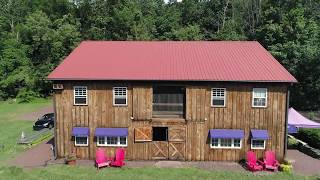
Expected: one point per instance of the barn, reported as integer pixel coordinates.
(187, 100)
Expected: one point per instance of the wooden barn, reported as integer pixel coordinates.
(189, 101)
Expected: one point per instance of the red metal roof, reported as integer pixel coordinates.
(171, 61)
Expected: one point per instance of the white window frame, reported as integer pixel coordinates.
(224, 97)
(81, 96)
(224, 147)
(253, 97)
(114, 96)
(264, 144)
(75, 141)
(112, 145)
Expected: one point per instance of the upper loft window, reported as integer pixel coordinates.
(120, 96)
(80, 95)
(218, 97)
(259, 97)
(168, 101)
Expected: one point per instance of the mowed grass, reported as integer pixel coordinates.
(11, 125)
(80, 172)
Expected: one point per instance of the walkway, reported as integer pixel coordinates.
(304, 164)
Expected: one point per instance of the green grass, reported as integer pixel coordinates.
(67, 172)
(11, 126)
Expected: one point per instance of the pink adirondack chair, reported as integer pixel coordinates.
(252, 163)
(101, 159)
(270, 161)
(119, 159)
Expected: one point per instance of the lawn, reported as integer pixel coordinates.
(67, 172)
(11, 126)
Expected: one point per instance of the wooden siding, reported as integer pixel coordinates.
(200, 117)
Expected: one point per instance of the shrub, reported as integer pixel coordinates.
(292, 143)
(310, 136)
(25, 96)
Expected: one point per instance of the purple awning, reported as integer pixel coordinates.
(292, 129)
(111, 132)
(258, 134)
(299, 121)
(226, 133)
(80, 131)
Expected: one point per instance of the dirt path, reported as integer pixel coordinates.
(37, 156)
(304, 165)
(33, 116)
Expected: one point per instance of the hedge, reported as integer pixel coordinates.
(310, 136)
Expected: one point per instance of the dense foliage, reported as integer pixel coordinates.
(35, 35)
(310, 136)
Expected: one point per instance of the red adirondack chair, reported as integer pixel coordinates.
(270, 161)
(252, 163)
(119, 159)
(101, 159)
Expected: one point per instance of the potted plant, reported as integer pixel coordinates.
(71, 159)
(286, 166)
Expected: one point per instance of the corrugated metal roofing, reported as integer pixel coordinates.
(171, 61)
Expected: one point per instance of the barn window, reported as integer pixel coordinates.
(224, 143)
(112, 141)
(80, 95)
(218, 97)
(81, 141)
(120, 96)
(258, 144)
(160, 134)
(168, 101)
(259, 97)
(258, 138)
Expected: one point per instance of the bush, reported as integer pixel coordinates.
(25, 96)
(310, 136)
(292, 143)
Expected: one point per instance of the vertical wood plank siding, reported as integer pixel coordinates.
(200, 117)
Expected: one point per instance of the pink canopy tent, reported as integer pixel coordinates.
(299, 121)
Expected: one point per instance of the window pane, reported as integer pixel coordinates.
(123, 140)
(236, 142)
(226, 142)
(215, 142)
(120, 101)
(81, 140)
(112, 140)
(101, 140)
(217, 102)
(78, 100)
(258, 143)
(259, 101)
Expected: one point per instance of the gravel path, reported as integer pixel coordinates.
(33, 116)
(304, 164)
(37, 156)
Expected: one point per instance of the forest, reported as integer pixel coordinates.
(36, 35)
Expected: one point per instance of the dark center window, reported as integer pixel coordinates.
(169, 101)
(160, 134)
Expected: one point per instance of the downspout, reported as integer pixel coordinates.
(55, 126)
(286, 124)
